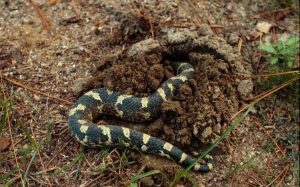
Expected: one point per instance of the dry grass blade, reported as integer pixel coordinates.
(55, 155)
(13, 144)
(277, 74)
(39, 153)
(266, 94)
(41, 15)
(264, 129)
(76, 10)
(277, 185)
(34, 90)
(281, 173)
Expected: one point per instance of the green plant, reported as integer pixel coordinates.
(284, 53)
(140, 175)
(284, 3)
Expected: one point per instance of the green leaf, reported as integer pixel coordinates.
(291, 62)
(292, 41)
(133, 184)
(279, 46)
(291, 51)
(274, 60)
(4, 115)
(149, 173)
(267, 48)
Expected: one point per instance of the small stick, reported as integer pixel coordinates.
(76, 11)
(266, 95)
(277, 74)
(42, 16)
(263, 128)
(55, 155)
(282, 172)
(44, 171)
(277, 185)
(34, 90)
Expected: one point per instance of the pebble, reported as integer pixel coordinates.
(245, 88)
(207, 132)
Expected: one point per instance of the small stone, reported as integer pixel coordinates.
(245, 88)
(253, 110)
(195, 129)
(205, 30)
(263, 26)
(59, 64)
(216, 92)
(36, 98)
(217, 128)
(147, 181)
(207, 132)
(233, 38)
(80, 85)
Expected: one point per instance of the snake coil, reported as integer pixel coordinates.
(103, 101)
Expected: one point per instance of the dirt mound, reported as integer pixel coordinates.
(202, 107)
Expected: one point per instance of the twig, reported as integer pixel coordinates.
(44, 171)
(94, 180)
(34, 90)
(268, 91)
(55, 155)
(216, 26)
(266, 94)
(41, 15)
(282, 172)
(76, 11)
(240, 44)
(277, 74)
(277, 185)
(198, 17)
(269, 160)
(278, 147)
(5, 172)
(151, 26)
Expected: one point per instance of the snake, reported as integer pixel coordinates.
(102, 101)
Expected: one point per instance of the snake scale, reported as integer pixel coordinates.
(128, 107)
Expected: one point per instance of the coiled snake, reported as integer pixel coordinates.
(103, 101)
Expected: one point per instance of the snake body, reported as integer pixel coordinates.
(105, 102)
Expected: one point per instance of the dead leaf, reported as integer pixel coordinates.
(4, 143)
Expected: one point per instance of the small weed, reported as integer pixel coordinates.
(141, 175)
(9, 174)
(5, 107)
(30, 163)
(282, 61)
(283, 54)
(284, 3)
(4, 115)
(123, 160)
(243, 165)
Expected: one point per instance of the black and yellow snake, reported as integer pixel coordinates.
(103, 101)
